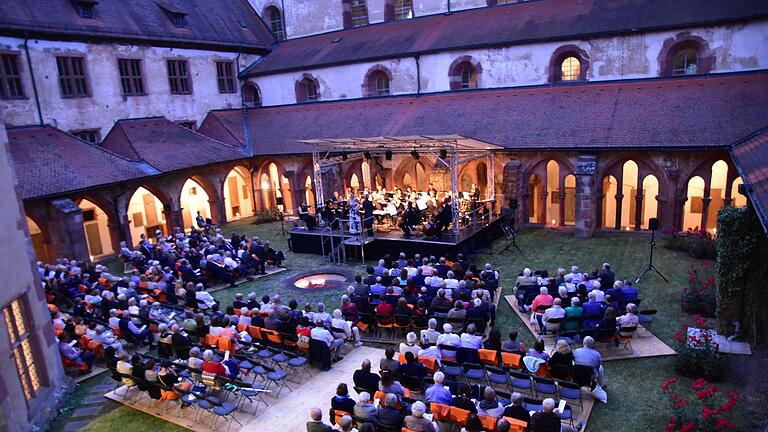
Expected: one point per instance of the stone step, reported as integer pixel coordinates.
(94, 399)
(74, 426)
(89, 411)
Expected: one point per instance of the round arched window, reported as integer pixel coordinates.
(468, 76)
(685, 62)
(570, 69)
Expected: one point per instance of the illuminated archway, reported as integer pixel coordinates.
(407, 182)
(737, 199)
(237, 194)
(309, 194)
(95, 225)
(275, 189)
(610, 188)
(481, 174)
(38, 240)
(534, 190)
(717, 187)
(553, 192)
(421, 177)
(354, 183)
(145, 215)
(629, 208)
(694, 205)
(570, 199)
(194, 199)
(465, 184)
(650, 204)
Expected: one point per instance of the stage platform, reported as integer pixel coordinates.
(392, 242)
(644, 344)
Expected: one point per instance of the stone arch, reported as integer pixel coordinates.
(408, 166)
(143, 215)
(40, 238)
(99, 223)
(275, 20)
(563, 52)
(236, 191)
(455, 70)
(278, 186)
(370, 87)
(251, 94)
(682, 41)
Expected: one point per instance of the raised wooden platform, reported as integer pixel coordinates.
(644, 344)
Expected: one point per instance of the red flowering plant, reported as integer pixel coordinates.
(698, 355)
(701, 408)
(699, 297)
(697, 242)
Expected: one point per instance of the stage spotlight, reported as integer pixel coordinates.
(343, 156)
(415, 154)
(443, 154)
(388, 155)
(367, 155)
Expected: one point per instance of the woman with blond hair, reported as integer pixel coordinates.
(561, 362)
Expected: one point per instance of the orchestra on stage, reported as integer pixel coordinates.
(425, 214)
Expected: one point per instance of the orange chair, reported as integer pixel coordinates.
(516, 425)
(488, 357)
(272, 336)
(429, 363)
(225, 344)
(69, 364)
(241, 327)
(255, 332)
(439, 411)
(211, 341)
(488, 422)
(338, 414)
(458, 415)
(405, 429)
(401, 357)
(511, 361)
(543, 370)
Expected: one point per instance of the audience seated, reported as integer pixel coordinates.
(365, 379)
(416, 421)
(341, 401)
(316, 424)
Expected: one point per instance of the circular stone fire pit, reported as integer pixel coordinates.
(319, 280)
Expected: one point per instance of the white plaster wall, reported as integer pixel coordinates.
(305, 17)
(106, 103)
(344, 82)
(737, 48)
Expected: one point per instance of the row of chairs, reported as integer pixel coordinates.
(402, 324)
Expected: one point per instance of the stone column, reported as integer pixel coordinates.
(68, 234)
(638, 208)
(584, 226)
(511, 189)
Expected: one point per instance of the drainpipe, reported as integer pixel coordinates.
(34, 84)
(418, 74)
(449, 7)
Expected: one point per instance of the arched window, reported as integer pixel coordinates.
(251, 95)
(359, 13)
(568, 63)
(570, 69)
(307, 90)
(275, 20)
(468, 76)
(377, 83)
(685, 54)
(403, 9)
(685, 62)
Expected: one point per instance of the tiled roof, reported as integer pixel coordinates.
(228, 23)
(518, 23)
(681, 113)
(751, 159)
(165, 145)
(49, 161)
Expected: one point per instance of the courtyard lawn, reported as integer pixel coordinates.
(635, 401)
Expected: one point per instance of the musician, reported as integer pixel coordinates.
(408, 221)
(368, 215)
(474, 193)
(308, 219)
(432, 191)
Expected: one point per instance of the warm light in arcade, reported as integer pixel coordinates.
(554, 222)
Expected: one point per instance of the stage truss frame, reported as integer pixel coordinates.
(458, 149)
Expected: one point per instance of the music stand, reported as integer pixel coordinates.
(653, 224)
(510, 230)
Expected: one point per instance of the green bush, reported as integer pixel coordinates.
(700, 298)
(698, 357)
(695, 242)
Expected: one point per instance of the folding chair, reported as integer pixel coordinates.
(533, 404)
(544, 387)
(403, 323)
(571, 391)
(646, 318)
(624, 336)
(384, 321)
(278, 377)
(521, 381)
(498, 377)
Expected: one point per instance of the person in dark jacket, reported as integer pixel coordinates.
(342, 401)
(389, 415)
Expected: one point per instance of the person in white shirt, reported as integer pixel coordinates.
(450, 281)
(106, 338)
(93, 298)
(599, 294)
(350, 331)
(156, 313)
(629, 319)
(244, 318)
(229, 262)
(114, 321)
(410, 344)
(448, 338)
(569, 285)
(204, 296)
(556, 311)
(470, 340)
(412, 271)
(426, 269)
(322, 334)
(576, 276)
(429, 335)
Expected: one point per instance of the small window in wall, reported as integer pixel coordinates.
(72, 79)
(307, 90)
(468, 76)
(251, 95)
(275, 20)
(225, 76)
(89, 135)
(570, 69)
(131, 80)
(178, 77)
(377, 83)
(10, 78)
(359, 13)
(19, 331)
(178, 19)
(85, 9)
(403, 9)
(685, 62)
(189, 124)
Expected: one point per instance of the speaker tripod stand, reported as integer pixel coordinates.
(651, 267)
(283, 231)
(511, 240)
